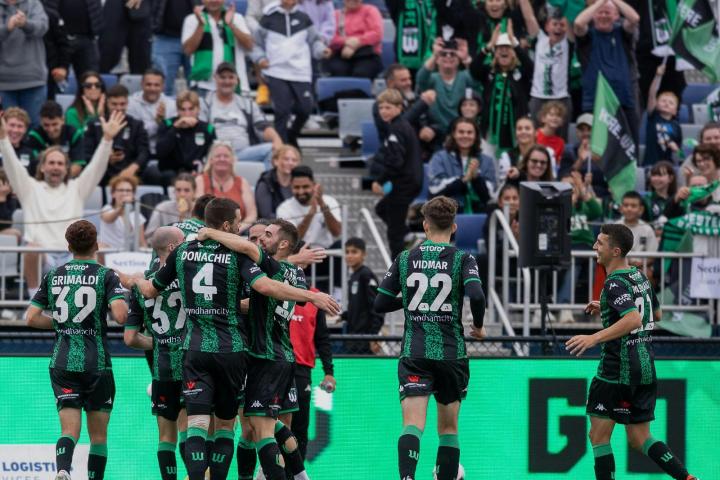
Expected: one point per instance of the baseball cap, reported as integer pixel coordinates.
(504, 41)
(585, 119)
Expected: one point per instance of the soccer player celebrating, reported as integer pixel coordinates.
(432, 280)
(78, 294)
(270, 389)
(164, 318)
(211, 279)
(624, 389)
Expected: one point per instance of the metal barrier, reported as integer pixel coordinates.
(528, 283)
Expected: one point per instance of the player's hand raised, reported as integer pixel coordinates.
(326, 303)
(579, 343)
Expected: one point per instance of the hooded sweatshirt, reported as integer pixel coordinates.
(22, 50)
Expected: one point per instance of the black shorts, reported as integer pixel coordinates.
(625, 404)
(446, 379)
(213, 382)
(167, 399)
(91, 391)
(270, 388)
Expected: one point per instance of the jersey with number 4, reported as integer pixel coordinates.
(164, 317)
(268, 318)
(628, 360)
(432, 279)
(78, 294)
(211, 279)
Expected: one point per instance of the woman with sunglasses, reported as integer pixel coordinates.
(89, 103)
(535, 166)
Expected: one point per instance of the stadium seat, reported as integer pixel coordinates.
(18, 218)
(388, 30)
(425, 191)
(132, 82)
(250, 171)
(697, 92)
(241, 6)
(95, 200)
(640, 179)
(327, 87)
(65, 100)
(72, 84)
(388, 53)
(469, 231)
(684, 114)
(8, 261)
(109, 79)
(701, 115)
(690, 130)
(352, 113)
(370, 139)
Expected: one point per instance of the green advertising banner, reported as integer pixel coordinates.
(523, 419)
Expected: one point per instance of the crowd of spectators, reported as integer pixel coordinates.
(481, 98)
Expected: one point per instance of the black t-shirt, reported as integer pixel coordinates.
(76, 17)
(174, 15)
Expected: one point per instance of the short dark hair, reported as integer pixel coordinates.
(117, 90)
(620, 237)
(51, 109)
(633, 195)
(392, 68)
(709, 150)
(201, 202)
(302, 171)
(356, 242)
(662, 167)
(185, 177)
(706, 127)
(288, 232)
(440, 212)
(81, 237)
(154, 71)
(219, 211)
(261, 221)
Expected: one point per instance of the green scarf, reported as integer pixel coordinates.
(471, 196)
(699, 193)
(502, 115)
(678, 232)
(416, 32)
(202, 64)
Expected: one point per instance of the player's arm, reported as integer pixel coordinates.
(131, 335)
(152, 288)
(281, 291)
(231, 241)
(324, 349)
(34, 315)
(116, 297)
(387, 299)
(35, 318)
(244, 305)
(119, 311)
(473, 290)
(620, 299)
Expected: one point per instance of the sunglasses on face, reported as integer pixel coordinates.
(91, 85)
(538, 162)
(447, 54)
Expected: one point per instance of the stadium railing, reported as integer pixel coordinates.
(521, 289)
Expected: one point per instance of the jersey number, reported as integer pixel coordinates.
(85, 299)
(205, 275)
(640, 304)
(420, 280)
(162, 323)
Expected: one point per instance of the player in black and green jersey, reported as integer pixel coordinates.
(270, 390)
(164, 318)
(78, 295)
(432, 280)
(212, 280)
(624, 389)
(192, 225)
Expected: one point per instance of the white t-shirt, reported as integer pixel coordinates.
(229, 119)
(113, 234)
(190, 24)
(550, 77)
(142, 110)
(645, 239)
(317, 234)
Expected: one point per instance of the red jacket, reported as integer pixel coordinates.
(309, 336)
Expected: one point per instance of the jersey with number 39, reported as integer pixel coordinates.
(628, 360)
(78, 294)
(211, 280)
(269, 318)
(164, 317)
(432, 279)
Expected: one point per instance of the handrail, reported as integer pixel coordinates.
(506, 323)
(376, 236)
(509, 237)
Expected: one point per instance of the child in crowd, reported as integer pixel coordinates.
(664, 136)
(663, 186)
(397, 169)
(360, 315)
(114, 226)
(632, 209)
(552, 116)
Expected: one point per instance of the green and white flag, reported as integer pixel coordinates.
(611, 142)
(695, 36)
